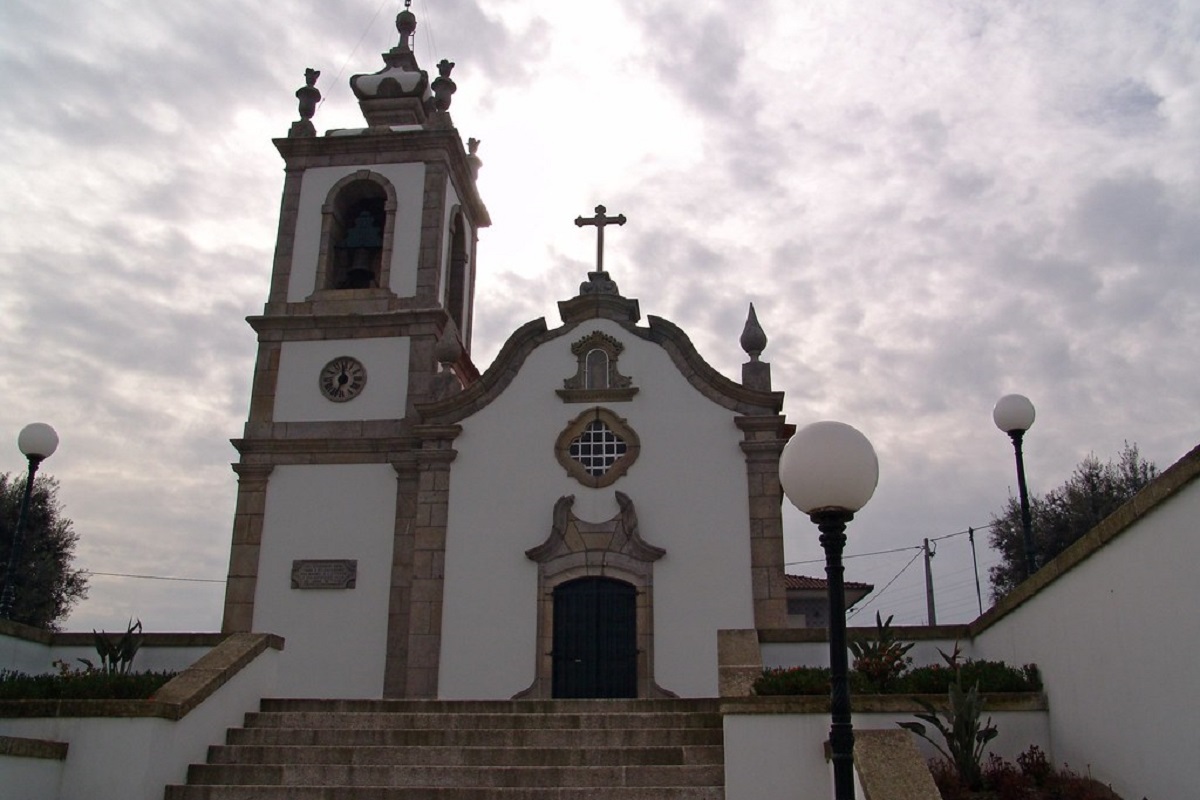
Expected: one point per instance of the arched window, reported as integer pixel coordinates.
(456, 280)
(356, 233)
(358, 215)
(596, 370)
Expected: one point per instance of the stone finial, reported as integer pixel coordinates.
(755, 374)
(447, 351)
(406, 23)
(473, 159)
(308, 95)
(754, 339)
(442, 86)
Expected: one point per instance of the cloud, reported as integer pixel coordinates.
(929, 205)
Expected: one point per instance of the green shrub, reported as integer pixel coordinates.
(87, 685)
(883, 659)
(992, 676)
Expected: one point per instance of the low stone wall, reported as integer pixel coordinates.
(775, 746)
(131, 749)
(34, 651)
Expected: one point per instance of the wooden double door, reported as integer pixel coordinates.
(595, 639)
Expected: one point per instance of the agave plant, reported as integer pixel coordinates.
(964, 735)
(116, 655)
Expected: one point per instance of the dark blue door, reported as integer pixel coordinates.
(595, 639)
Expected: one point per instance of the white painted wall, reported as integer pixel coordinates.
(298, 395)
(1118, 644)
(22, 655)
(409, 182)
(30, 778)
(782, 756)
(688, 487)
(336, 639)
(816, 654)
(134, 758)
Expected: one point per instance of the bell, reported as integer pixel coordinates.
(364, 242)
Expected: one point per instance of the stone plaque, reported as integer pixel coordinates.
(338, 573)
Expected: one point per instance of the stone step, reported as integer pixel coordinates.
(691, 705)
(311, 775)
(462, 721)
(480, 737)
(439, 793)
(467, 750)
(470, 756)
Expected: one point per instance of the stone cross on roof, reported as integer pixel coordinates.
(600, 221)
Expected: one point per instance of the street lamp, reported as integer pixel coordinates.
(829, 470)
(1014, 415)
(37, 441)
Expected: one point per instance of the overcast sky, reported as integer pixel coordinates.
(930, 204)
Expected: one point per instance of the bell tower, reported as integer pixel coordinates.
(369, 312)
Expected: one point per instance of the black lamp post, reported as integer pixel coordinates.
(829, 471)
(1014, 415)
(37, 441)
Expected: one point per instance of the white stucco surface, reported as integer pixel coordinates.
(1116, 640)
(22, 655)
(298, 396)
(112, 758)
(408, 181)
(30, 778)
(782, 756)
(816, 654)
(688, 487)
(336, 638)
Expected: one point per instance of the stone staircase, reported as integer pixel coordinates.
(464, 750)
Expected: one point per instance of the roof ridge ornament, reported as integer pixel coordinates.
(598, 281)
(309, 96)
(754, 338)
(401, 93)
(755, 374)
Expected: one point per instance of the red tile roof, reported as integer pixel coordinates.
(805, 582)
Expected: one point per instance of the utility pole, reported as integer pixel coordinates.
(929, 553)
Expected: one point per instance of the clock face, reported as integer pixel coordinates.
(343, 379)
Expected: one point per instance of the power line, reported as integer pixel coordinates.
(856, 555)
(879, 594)
(337, 78)
(153, 577)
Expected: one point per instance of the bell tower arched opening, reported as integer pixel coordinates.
(357, 228)
(456, 279)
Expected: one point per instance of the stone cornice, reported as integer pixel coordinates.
(297, 318)
(390, 147)
(700, 374)
(497, 377)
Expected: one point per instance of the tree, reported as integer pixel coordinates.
(1063, 515)
(45, 586)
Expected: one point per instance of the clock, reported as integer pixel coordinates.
(342, 379)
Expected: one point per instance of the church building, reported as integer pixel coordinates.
(579, 520)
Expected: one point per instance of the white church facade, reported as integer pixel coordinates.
(577, 521)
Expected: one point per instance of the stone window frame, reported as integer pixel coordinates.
(576, 428)
(327, 246)
(618, 388)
